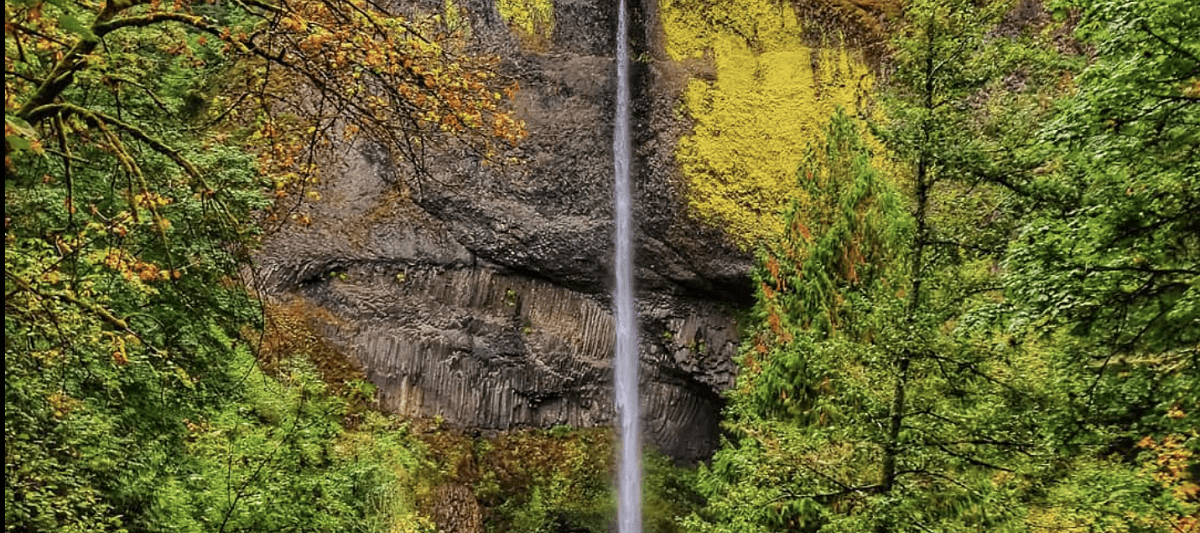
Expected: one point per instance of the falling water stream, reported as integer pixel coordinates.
(629, 477)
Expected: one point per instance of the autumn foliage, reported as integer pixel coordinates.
(145, 98)
(146, 142)
(305, 71)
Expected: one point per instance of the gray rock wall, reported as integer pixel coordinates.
(481, 296)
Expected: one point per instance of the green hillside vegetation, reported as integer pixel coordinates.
(977, 308)
(1001, 333)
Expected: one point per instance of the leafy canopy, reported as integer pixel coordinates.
(1024, 356)
(144, 142)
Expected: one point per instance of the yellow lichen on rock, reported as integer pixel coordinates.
(692, 26)
(531, 20)
(773, 96)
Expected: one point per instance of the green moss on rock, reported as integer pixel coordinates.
(531, 20)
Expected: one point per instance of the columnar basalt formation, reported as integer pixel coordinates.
(481, 293)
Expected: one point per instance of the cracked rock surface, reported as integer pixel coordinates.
(483, 297)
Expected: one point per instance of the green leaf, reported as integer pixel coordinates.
(70, 23)
(19, 124)
(24, 133)
(17, 142)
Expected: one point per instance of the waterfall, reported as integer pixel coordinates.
(629, 477)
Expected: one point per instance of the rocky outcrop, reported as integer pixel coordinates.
(482, 295)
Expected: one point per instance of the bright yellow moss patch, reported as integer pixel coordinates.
(532, 20)
(772, 97)
(692, 26)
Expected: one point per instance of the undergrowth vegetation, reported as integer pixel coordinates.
(558, 479)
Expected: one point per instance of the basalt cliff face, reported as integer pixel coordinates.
(480, 293)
